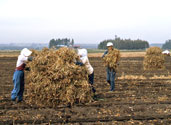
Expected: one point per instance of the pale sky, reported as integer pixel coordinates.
(86, 21)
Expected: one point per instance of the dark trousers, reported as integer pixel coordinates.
(91, 81)
(111, 78)
(18, 81)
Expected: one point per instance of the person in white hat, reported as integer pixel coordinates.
(18, 77)
(110, 72)
(84, 59)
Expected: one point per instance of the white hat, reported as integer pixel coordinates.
(109, 44)
(25, 52)
(82, 52)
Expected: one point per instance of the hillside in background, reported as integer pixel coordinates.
(38, 46)
(19, 46)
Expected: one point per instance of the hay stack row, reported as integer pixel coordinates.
(111, 59)
(153, 59)
(55, 79)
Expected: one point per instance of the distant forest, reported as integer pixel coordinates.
(125, 44)
(58, 42)
(167, 45)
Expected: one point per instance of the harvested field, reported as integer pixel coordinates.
(123, 54)
(141, 97)
(9, 53)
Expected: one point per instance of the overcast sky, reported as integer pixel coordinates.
(86, 21)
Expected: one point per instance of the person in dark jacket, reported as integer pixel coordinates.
(110, 71)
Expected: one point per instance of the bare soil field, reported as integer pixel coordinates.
(136, 100)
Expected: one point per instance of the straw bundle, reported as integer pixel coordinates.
(111, 58)
(54, 79)
(154, 51)
(153, 59)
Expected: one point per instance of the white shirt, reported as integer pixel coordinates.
(21, 59)
(86, 62)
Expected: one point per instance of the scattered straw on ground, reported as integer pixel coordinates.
(161, 77)
(131, 77)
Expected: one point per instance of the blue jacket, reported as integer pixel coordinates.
(105, 53)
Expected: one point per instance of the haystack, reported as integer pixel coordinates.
(112, 58)
(153, 59)
(55, 79)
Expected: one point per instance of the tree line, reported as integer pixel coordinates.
(58, 42)
(126, 44)
(167, 44)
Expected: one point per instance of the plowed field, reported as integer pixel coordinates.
(134, 101)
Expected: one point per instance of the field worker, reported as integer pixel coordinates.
(18, 77)
(84, 59)
(110, 72)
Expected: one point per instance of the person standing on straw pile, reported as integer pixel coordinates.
(18, 77)
(82, 53)
(111, 58)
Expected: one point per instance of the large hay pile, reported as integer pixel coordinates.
(111, 59)
(153, 59)
(54, 79)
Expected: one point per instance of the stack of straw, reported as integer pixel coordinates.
(55, 79)
(112, 58)
(154, 59)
